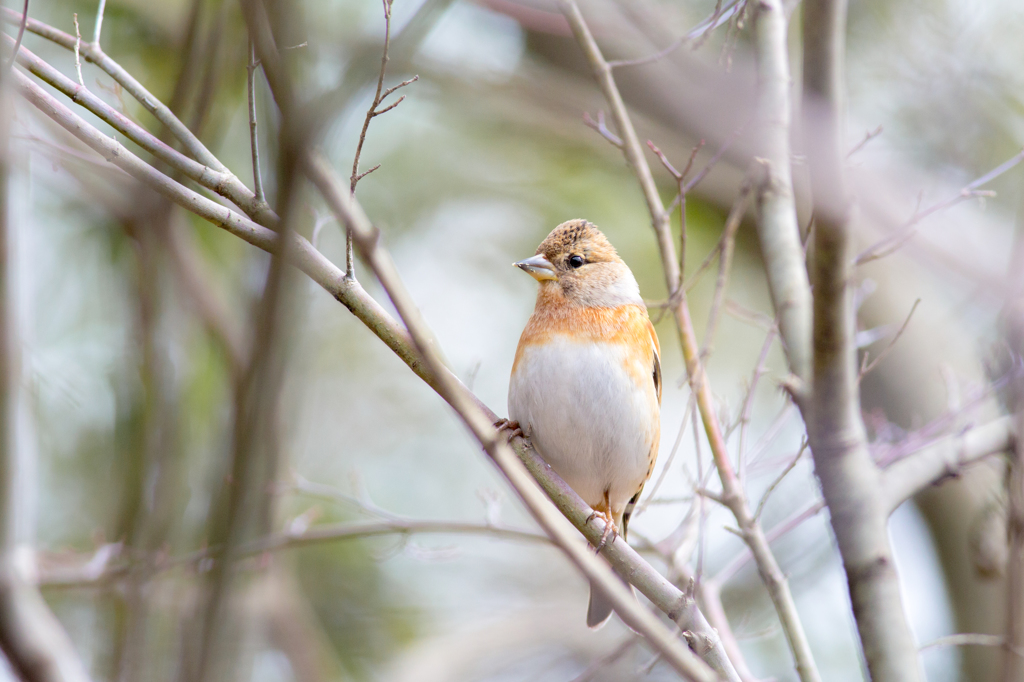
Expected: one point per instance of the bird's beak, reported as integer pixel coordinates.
(538, 267)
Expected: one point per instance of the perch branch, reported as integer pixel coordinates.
(732, 492)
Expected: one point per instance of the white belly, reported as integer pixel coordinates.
(586, 416)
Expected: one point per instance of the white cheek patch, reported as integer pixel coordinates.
(620, 290)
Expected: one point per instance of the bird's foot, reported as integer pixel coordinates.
(512, 427)
(610, 531)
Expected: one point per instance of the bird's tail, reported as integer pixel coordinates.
(600, 609)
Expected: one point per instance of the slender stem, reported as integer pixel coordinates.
(21, 35)
(99, 22)
(777, 227)
(92, 53)
(257, 178)
(221, 182)
(732, 492)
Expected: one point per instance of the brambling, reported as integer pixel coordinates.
(586, 380)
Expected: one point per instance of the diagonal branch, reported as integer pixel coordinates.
(479, 421)
(92, 53)
(732, 491)
(348, 292)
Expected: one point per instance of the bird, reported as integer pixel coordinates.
(585, 388)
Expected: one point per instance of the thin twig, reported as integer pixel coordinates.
(669, 49)
(21, 36)
(865, 367)
(379, 96)
(649, 498)
(965, 639)
(748, 403)
(868, 136)
(600, 127)
(257, 178)
(695, 180)
(99, 23)
(773, 534)
(778, 480)
(78, 52)
(905, 232)
(733, 494)
(732, 224)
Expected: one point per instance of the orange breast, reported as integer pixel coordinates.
(627, 326)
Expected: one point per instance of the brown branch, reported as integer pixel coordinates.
(250, 81)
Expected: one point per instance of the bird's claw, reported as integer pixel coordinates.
(609, 533)
(512, 427)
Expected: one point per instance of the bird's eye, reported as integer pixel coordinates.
(576, 261)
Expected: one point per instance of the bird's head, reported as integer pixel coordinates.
(577, 262)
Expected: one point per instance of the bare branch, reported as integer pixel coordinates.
(748, 401)
(904, 233)
(257, 177)
(946, 458)
(851, 482)
(868, 136)
(21, 36)
(99, 21)
(669, 49)
(865, 367)
(78, 47)
(396, 87)
(966, 639)
(365, 173)
(775, 484)
(221, 182)
(777, 227)
(732, 224)
(733, 495)
(92, 53)
(600, 127)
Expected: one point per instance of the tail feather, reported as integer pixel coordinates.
(600, 608)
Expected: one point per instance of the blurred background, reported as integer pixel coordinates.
(126, 394)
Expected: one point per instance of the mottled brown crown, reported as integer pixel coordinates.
(577, 237)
